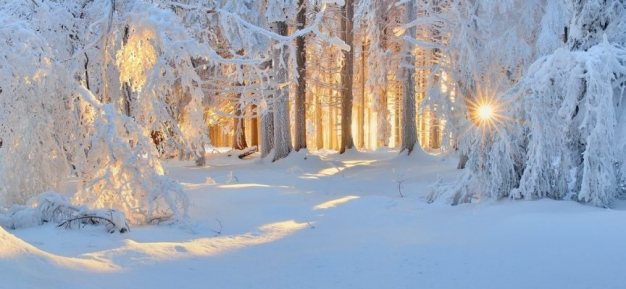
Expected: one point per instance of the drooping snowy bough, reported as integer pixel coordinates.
(52, 207)
(565, 137)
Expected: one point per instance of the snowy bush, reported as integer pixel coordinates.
(46, 127)
(121, 169)
(51, 207)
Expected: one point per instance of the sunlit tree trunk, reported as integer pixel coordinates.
(361, 111)
(254, 127)
(409, 129)
(282, 132)
(397, 110)
(300, 106)
(239, 133)
(347, 76)
(267, 122)
(331, 131)
(319, 130)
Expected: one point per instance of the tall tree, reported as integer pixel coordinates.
(300, 101)
(282, 131)
(347, 76)
(239, 134)
(409, 129)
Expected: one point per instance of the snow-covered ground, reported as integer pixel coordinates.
(323, 220)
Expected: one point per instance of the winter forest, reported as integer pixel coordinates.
(212, 134)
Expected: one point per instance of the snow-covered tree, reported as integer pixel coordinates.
(564, 139)
(32, 110)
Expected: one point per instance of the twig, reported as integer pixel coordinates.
(95, 220)
(220, 230)
(250, 151)
(400, 187)
(160, 219)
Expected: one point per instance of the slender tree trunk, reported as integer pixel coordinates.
(267, 122)
(384, 127)
(267, 133)
(300, 106)
(361, 112)
(319, 130)
(254, 128)
(126, 89)
(383, 113)
(397, 111)
(409, 129)
(239, 135)
(332, 122)
(347, 77)
(282, 131)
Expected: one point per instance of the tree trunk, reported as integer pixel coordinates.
(254, 127)
(239, 134)
(409, 129)
(267, 122)
(319, 130)
(126, 89)
(462, 161)
(267, 132)
(347, 77)
(361, 112)
(282, 132)
(300, 107)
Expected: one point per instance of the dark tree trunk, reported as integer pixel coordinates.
(300, 106)
(347, 77)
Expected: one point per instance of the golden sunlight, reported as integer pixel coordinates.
(485, 112)
(334, 203)
(136, 57)
(485, 109)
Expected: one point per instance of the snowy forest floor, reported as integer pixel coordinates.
(324, 220)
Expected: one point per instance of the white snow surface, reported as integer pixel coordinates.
(324, 220)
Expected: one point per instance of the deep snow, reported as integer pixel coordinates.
(323, 220)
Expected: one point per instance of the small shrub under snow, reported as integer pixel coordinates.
(52, 207)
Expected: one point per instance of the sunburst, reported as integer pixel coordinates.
(487, 110)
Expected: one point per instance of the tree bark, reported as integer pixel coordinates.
(347, 77)
(126, 89)
(239, 134)
(254, 127)
(319, 130)
(267, 121)
(300, 106)
(361, 112)
(409, 129)
(282, 131)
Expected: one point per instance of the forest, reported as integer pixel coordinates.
(528, 94)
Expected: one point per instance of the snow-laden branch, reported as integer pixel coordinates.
(423, 44)
(313, 28)
(108, 18)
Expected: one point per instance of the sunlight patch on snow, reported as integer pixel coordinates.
(135, 253)
(334, 203)
(337, 169)
(243, 186)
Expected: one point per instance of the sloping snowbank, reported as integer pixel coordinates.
(336, 222)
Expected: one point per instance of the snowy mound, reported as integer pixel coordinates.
(38, 269)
